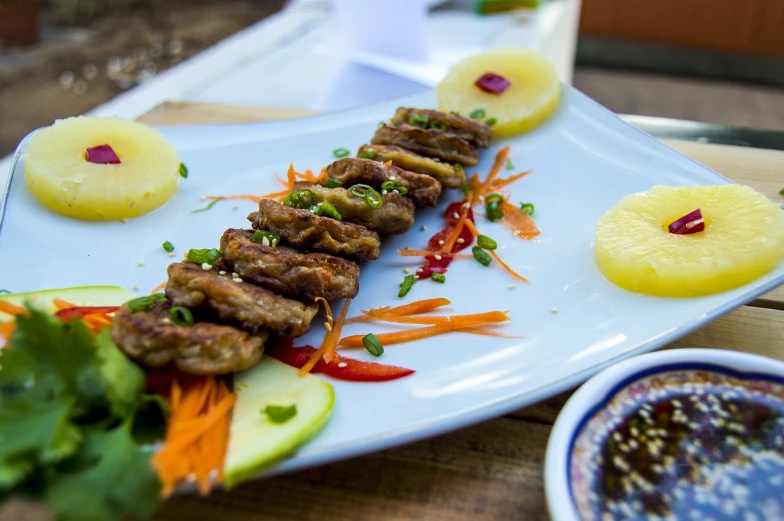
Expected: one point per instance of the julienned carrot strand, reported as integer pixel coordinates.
(332, 343)
(519, 222)
(501, 183)
(472, 229)
(11, 309)
(500, 160)
(450, 241)
(487, 332)
(490, 317)
(239, 197)
(6, 330)
(507, 268)
(315, 357)
(159, 287)
(409, 335)
(431, 253)
(420, 306)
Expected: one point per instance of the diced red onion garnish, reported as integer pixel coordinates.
(102, 155)
(492, 83)
(689, 223)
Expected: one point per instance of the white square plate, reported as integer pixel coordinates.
(584, 159)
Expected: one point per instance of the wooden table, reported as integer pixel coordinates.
(492, 471)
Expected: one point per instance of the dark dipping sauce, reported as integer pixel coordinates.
(685, 444)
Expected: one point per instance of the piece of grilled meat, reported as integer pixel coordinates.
(395, 215)
(151, 338)
(250, 307)
(423, 190)
(431, 143)
(308, 231)
(478, 133)
(448, 175)
(287, 271)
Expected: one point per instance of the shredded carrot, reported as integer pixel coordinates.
(501, 263)
(159, 287)
(430, 253)
(288, 185)
(332, 343)
(418, 307)
(489, 317)
(11, 309)
(388, 163)
(320, 351)
(450, 241)
(197, 435)
(409, 335)
(6, 330)
(487, 332)
(239, 197)
(519, 222)
(498, 184)
(500, 160)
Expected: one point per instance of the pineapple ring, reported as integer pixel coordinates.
(59, 176)
(743, 240)
(532, 97)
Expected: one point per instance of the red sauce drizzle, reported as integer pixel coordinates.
(432, 265)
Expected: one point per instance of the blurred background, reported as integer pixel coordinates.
(717, 61)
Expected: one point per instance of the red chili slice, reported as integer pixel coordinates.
(433, 265)
(492, 83)
(68, 314)
(351, 370)
(103, 155)
(689, 223)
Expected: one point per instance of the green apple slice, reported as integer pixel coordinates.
(81, 296)
(255, 441)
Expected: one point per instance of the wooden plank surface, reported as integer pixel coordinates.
(489, 471)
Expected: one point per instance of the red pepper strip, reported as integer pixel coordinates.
(354, 370)
(68, 314)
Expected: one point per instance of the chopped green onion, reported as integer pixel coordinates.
(490, 122)
(494, 212)
(168, 246)
(478, 114)
(367, 154)
(417, 120)
(486, 243)
(316, 209)
(437, 125)
(509, 164)
(454, 112)
(212, 203)
(144, 303)
(406, 285)
(465, 189)
(331, 183)
(260, 236)
(183, 171)
(340, 152)
(494, 198)
(4, 291)
(280, 413)
(360, 190)
(204, 256)
(438, 277)
(527, 208)
(368, 193)
(373, 344)
(181, 316)
(482, 256)
(330, 211)
(457, 167)
(299, 199)
(395, 185)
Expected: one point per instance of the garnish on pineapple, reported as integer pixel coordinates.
(492, 83)
(71, 404)
(690, 223)
(102, 155)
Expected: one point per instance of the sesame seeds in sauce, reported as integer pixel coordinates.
(686, 444)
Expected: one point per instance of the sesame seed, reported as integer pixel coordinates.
(423, 227)
(135, 287)
(554, 309)
(512, 286)
(420, 270)
(448, 318)
(437, 257)
(460, 240)
(440, 243)
(265, 241)
(456, 215)
(342, 365)
(221, 272)
(384, 192)
(206, 267)
(171, 254)
(237, 280)
(406, 270)
(326, 325)
(392, 178)
(140, 263)
(466, 205)
(235, 207)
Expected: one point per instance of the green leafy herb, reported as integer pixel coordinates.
(437, 125)
(266, 238)
(406, 285)
(478, 114)
(394, 186)
(509, 164)
(438, 277)
(330, 211)
(486, 243)
(331, 183)
(181, 316)
(373, 344)
(367, 154)
(144, 303)
(212, 203)
(168, 246)
(183, 171)
(527, 208)
(418, 120)
(340, 152)
(490, 122)
(204, 256)
(69, 401)
(280, 413)
(482, 256)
